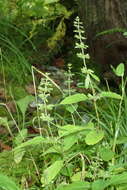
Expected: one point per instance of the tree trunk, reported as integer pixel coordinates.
(103, 15)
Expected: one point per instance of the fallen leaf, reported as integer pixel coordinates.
(3, 130)
(4, 146)
(59, 62)
(11, 106)
(30, 89)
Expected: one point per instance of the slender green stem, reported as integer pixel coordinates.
(118, 120)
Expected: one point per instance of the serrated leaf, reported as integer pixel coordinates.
(73, 99)
(94, 137)
(110, 95)
(51, 172)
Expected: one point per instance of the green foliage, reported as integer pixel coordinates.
(7, 183)
(110, 95)
(106, 154)
(111, 31)
(31, 14)
(81, 139)
(94, 137)
(12, 60)
(74, 99)
(23, 103)
(51, 172)
(59, 34)
(24, 25)
(120, 70)
(75, 186)
(20, 137)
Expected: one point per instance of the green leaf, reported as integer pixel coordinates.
(122, 187)
(121, 140)
(110, 31)
(83, 56)
(95, 77)
(113, 181)
(4, 121)
(74, 99)
(67, 170)
(53, 149)
(58, 35)
(36, 141)
(87, 81)
(110, 95)
(106, 154)
(94, 137)
(69, 141)
(98, 185)
(72, 108)
(24, 102)
(51, 172)
(120, 70)
(125, 34)
(80, 45)
(77, 177)
(47, 2)
(7, 184)
(20, 137)
(18, 155)
(71, 129)
(117, 180)
(80, 185)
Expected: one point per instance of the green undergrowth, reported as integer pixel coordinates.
(14, 66)
(73, 140)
